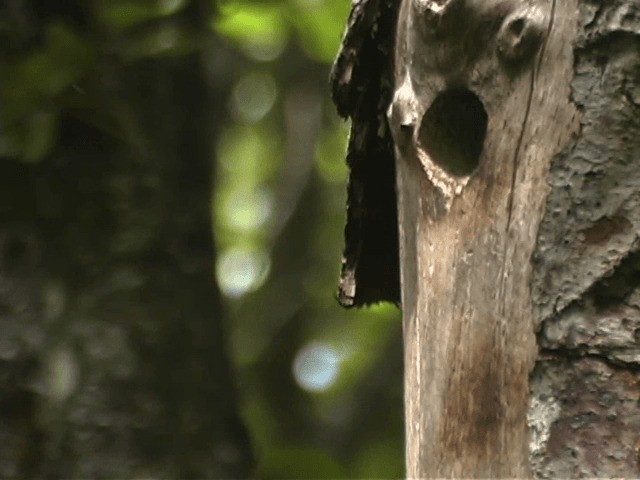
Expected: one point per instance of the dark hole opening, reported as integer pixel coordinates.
(453, 130)
(517, 26)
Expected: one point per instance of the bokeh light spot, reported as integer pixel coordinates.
(253, 97)
(246, 213)
(316, 367)
(309, 3)
(168, 7)
(265, 51)
(240, 271)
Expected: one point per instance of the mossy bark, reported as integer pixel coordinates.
(112, 358)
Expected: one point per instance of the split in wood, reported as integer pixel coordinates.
(521, 34)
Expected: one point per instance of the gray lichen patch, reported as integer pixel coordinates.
(544, 410)
(584, 419)
(610, 17)
(610, 332)
(586, 265)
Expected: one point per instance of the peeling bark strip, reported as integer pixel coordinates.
(362, 80)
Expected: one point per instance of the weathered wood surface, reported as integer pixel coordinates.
(466, 240)
(516, 127)
(469, 228)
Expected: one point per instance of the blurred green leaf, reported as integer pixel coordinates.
(379, 459)
(249, 158)
(164, 39)
(319, 25)
(41, 135)
(264, 428)
(241, 270)
(123, 14)
(299, 463)
(250, 24)
(359, 341)
(63, 61)
(258, 22)
(330, 153)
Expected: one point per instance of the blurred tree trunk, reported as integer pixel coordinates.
(112, 354)
(517, 135)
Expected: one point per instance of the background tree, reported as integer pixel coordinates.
(113, 355)
(515, 126)
(115, 116)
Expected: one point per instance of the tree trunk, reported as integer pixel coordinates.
(112, 355)
(516, 127)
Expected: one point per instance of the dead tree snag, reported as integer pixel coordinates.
(516, 133)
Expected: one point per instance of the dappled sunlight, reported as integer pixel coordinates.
(180, 168)
(281, 188)
(253, 97)
(316, 367)
(240, 271)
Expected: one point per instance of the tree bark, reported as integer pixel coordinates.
(112, 354)
(516, 127)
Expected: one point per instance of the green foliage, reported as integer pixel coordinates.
(248, 159)
(32, 84)
(165, 39)
(331, 355)
(330, 152)
(278, 209)
(62, 60)
(252, 22)
(317, 24)
(308, 463)
(124, 14)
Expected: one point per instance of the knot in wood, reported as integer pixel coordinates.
(434, 14)
(521, 34)
(403, 114)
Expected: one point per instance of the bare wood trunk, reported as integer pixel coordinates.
(516, 130)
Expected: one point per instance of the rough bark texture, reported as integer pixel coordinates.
(585, 395)
(112, 359)
(517, 130)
